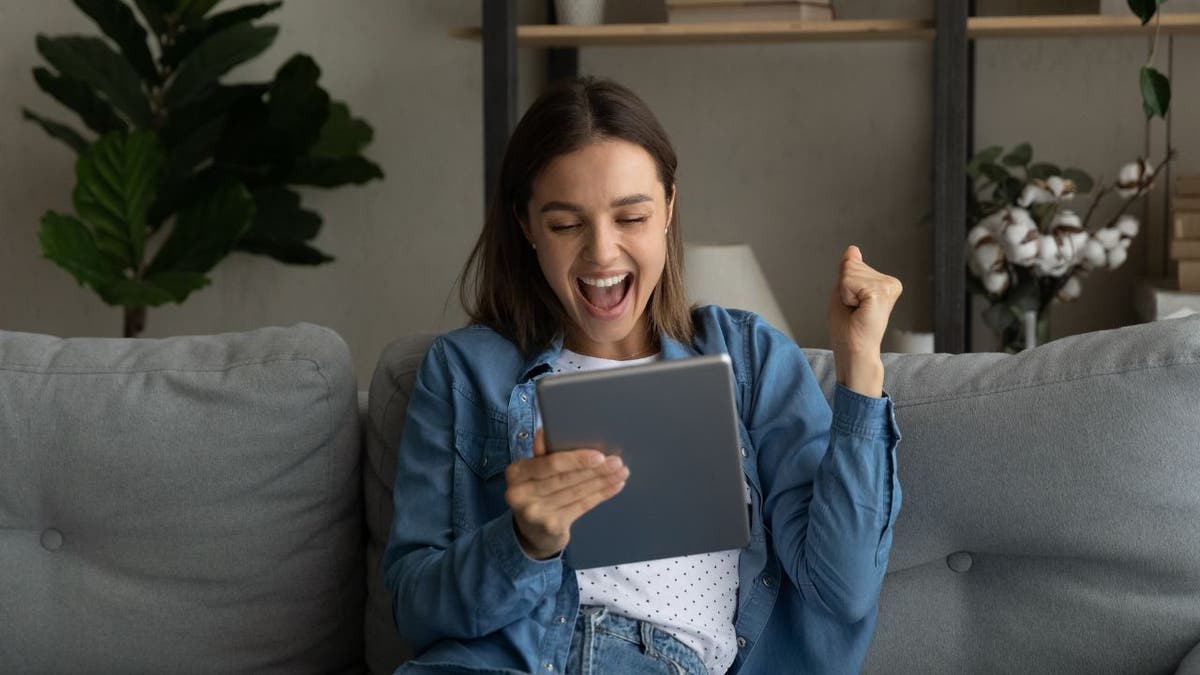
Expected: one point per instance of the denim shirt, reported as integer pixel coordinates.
(824, 495)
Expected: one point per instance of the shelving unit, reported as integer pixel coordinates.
(831, 31)
(951, 31)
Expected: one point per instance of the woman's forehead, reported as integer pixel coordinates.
(602, 171)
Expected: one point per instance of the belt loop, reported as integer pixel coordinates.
(647, 630)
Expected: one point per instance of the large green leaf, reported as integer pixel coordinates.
(297, 106)
(69, 243)
(206, 230)
(279, 216)
(157, 289)
(116, 179)
(95, 112)
(1144, 9)
(192, 11)
(216, 56)
(118, 23)
(58, 130)
(342, 135)
(190, 39)
(1043, 170)
(1156, 92)
(1083, 181)
(326, 172)
(155, 13)
(92, 61)
(1019, 156)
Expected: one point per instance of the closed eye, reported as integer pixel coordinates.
(630, 221)
(563, 227)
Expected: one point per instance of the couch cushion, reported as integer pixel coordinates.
(1050, 503)
(1051, 507)
(180, 505)
(391, 388)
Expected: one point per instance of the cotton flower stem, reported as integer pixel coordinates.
(1154, 43)
(1141, 190)
(1099, 196)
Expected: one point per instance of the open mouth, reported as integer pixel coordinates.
(605, 296)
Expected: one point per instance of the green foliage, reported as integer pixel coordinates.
(1155, 87)
(183, 166)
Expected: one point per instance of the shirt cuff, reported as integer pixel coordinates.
(864, 416)
(500, 539)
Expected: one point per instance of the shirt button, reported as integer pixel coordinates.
(52, 539)
(550, 667)
(741, 642)
(745, 453)
(524, 397)
(523, 435)
(561, 619)
(768, 581)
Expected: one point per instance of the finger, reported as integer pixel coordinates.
(539, 442)
(572, 511)
(545, 466)
(572, 492)
(852, 254)
(528, 491)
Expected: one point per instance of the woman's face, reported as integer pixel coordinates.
(598, 217)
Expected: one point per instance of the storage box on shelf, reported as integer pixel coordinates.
(705, 11)
(1185, 247)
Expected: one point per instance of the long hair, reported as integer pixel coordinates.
(502, 284)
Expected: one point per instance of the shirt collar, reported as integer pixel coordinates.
(542, 362)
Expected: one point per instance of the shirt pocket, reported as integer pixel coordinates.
(478, 479)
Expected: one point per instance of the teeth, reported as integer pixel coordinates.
(606, 282)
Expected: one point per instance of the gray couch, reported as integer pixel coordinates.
(213, 504)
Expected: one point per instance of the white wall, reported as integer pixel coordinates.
(798, 149)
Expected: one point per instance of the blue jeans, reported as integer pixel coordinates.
(610, 643)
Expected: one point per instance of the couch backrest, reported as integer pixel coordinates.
(190, 504)
(1051, 502)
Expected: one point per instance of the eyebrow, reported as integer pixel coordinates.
(575, 208)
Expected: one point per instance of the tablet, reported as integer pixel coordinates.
(674, 424)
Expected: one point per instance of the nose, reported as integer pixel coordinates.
(603, 246)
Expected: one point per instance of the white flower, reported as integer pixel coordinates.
(997, 281)
(1034, 194)
(1061, 188)
(1127, 225)
(995, 221)
(1117, 256)
(1134, 177)
(1051, 260)
(1094, 254)
(1070, 290)
(976, 234)
(1068, 230)
(1108, 237)
(1021, 241)
(987, 255)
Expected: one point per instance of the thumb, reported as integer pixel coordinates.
(539, 442)
(852, 253)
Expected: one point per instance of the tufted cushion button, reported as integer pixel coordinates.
(52, 539)
(959, 561)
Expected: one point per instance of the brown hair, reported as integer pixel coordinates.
(502, 284)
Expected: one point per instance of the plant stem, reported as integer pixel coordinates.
(1092, 208)
(135, 321)
(1154, 43)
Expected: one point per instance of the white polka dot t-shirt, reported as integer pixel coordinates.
(693, 597)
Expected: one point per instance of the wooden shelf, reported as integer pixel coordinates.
(1075, 25)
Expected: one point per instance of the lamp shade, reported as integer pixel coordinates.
(729, 275)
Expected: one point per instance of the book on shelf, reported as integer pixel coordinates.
(1187, 224)
(1185, 203)
(1187, 186)
(1185, 249)
(703, 11)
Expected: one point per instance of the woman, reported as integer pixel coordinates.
(579, 266)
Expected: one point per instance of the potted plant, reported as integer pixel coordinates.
(180, 169)
(1026, 249)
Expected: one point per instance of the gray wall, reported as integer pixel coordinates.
(798, 149)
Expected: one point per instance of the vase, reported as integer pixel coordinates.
(1030, 329)
(579, 12)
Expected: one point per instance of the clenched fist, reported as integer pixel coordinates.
(859, 307)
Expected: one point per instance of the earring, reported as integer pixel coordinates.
(533, 245)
